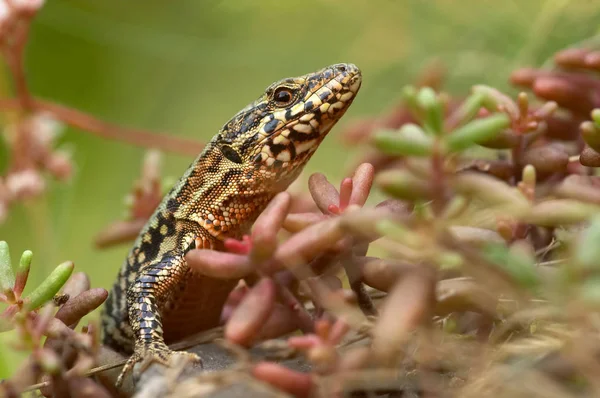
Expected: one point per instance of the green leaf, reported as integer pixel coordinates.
(399, 232)
(410, 140)
(457, 205)
(529, 175)
(519, 267)
(23, 271)
(469, 108)
(50, 286)
(449, 260)
(7, 277)
(587, 250)
(477, 131)
(506, 139)
(402, 184)
(494, 99)
(556, 212)
(428, 100)
(596, 116)
(490, 190)
(409, 94)
(591, 134)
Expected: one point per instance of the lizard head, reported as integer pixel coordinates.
(262, 149)
(274, 136)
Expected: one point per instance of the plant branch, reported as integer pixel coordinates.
(84, 121)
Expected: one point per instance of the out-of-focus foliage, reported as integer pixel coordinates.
(185, 68)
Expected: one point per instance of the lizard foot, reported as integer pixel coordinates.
(149, 355)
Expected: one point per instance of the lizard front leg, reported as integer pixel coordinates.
(146, 299)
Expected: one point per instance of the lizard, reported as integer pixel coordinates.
(157, 299)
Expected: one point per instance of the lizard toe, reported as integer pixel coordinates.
(151, 355)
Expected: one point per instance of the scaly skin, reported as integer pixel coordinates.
(156, 299)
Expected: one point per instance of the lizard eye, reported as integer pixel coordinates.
(283, 96)
(231, 154)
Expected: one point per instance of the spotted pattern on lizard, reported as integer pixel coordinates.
(157, 299)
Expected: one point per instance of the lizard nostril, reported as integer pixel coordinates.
(342, 68)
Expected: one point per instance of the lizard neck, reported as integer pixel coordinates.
(223, 199)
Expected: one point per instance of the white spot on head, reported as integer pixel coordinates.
(316, 101)
(324, 91)
(267, 151)
(355, 86)
(279, 115)
(326, 126)
(284, 156)
(303, 128)
(335, 85)
(304, 146)
(307, 117)
(279, 139)
(296, 109)
(336, 106)
(346, 97)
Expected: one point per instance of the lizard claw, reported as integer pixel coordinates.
(148, 356)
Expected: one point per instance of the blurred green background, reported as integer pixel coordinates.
(185, 67)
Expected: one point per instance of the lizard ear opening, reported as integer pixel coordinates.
(231, 154)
